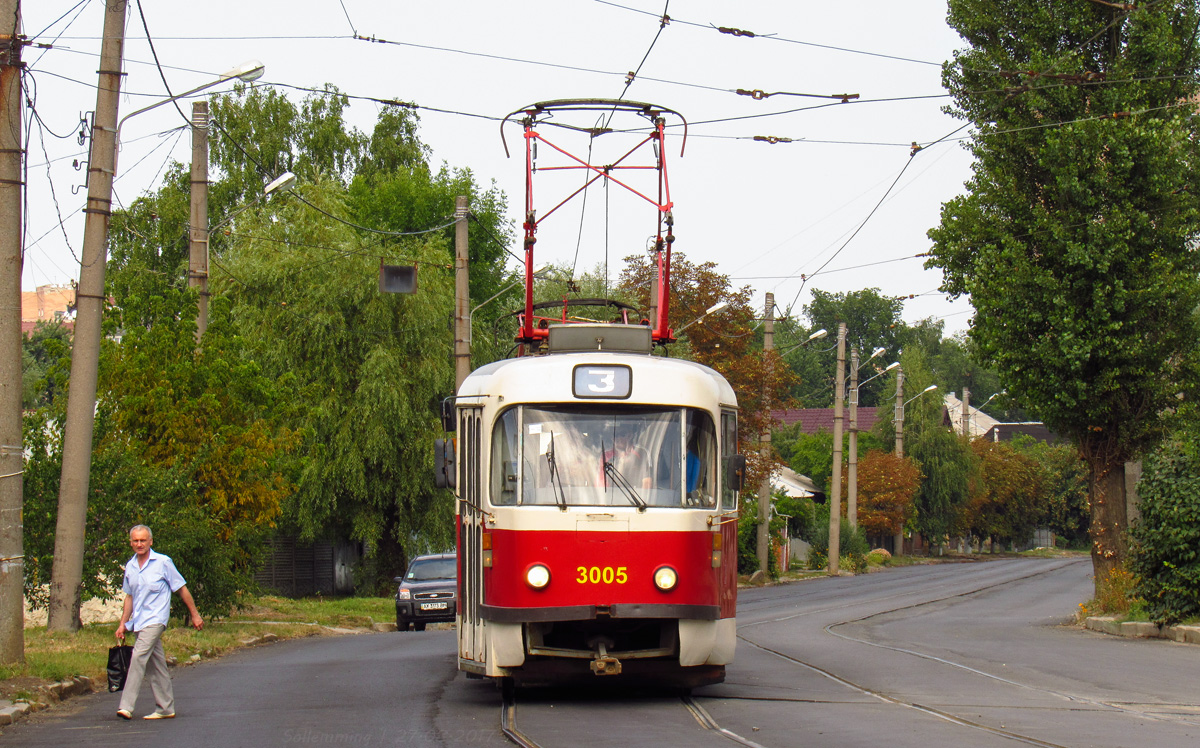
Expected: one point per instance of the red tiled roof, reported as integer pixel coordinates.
(813, 420)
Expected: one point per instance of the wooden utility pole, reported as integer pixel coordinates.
(67, 572)
(898, 422)
(198, 224)
(12, 453)
(764, 489)
(835, 487)
(852, 458)
(462, 294)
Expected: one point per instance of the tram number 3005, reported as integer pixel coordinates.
(602, 575)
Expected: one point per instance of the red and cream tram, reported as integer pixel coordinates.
(597, 513)
(597, 483)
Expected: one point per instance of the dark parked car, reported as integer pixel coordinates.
(428, 592)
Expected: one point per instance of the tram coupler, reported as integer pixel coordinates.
(603, 664)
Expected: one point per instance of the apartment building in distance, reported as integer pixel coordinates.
(47, 304)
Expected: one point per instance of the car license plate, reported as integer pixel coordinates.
(433, 606)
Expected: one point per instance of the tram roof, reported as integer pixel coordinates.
(547, 378)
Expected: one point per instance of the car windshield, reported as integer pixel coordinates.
(424, 570)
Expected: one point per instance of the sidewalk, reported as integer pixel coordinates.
(1143, 629)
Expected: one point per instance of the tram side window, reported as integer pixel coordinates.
(700, 465)
(503, 483)
(729, 496)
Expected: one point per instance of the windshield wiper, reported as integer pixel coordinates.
(560, 496)
(617, 479)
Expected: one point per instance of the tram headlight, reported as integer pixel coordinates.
(537, 576)
(665, 578)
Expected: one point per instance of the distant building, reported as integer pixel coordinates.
(47, 304)
(812, 420)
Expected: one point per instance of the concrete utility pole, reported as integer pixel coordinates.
(898, 422)
(764, 489)
(462, 295)
(198, 224)
(67, 573)
(966, 412)
(852, 458)
(12, 453)
(835, 488)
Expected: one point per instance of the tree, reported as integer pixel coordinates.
(1064, 487)
(1007, 500)
(49, 343)
(186, 441)
(944, 459)
(887, 486)
(370, 373)
(723, 342)
(1076, 239)
(872, 321)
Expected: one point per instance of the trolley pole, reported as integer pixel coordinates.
(12, 453)
(198, 230)
(852, 458)
(835, 488)
(462, 294)
(764, 489)
(67, 573)
(898, 422)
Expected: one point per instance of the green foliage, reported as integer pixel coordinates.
(872, 321)
(1076, 239)
(185, 442)
(370, 372)
(1007, 499)
(49, 343)
(1064, 488)
(852, 542)
(800, 513)
(1165, 548)
(808, 454)
(748, 540)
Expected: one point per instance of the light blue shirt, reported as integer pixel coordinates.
(151, 586)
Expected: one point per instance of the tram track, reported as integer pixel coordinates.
(933, 593)
(930, 710)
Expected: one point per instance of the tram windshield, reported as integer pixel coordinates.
(581, 455)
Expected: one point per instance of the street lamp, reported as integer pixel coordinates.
(930, 388)
(852, 392)
(285, 182)
(718, 307)
(246, 72)
(815, 336)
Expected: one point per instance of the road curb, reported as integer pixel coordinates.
(1142, 629)
(44, 696)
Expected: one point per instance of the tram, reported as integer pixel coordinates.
(597, 493)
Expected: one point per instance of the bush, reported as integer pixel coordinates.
(852, 544)
(1164, 551)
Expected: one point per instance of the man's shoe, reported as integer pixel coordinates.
(124, 714)
(160, 715)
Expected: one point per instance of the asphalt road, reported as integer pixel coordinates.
(971, 654)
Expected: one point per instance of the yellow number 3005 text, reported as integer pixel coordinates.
(602, 575)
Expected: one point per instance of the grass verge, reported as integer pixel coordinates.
(54, 656)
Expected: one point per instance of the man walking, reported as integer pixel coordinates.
(150, 578)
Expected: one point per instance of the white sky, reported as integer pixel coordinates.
(765, 214)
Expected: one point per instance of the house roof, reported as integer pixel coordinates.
(812, 420)
(792, 483)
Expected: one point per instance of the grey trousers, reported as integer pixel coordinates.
(149, 660)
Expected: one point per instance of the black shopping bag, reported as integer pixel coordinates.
(118, 666)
